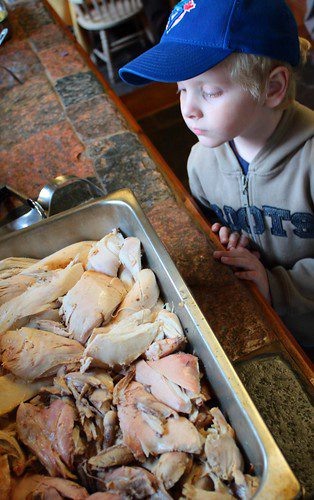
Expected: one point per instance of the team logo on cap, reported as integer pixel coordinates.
(179, 12)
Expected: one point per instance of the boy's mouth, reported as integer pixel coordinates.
(198, 131)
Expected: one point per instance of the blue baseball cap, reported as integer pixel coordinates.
(202, 33)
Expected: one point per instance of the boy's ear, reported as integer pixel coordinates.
(278, 82)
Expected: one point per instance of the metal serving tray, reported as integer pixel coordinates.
(121, 209)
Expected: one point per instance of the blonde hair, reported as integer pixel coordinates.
(252, 72)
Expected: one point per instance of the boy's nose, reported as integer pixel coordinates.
(191, 110)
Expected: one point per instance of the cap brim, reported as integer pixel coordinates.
(171, 62)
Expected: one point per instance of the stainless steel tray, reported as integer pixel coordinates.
(120, 209)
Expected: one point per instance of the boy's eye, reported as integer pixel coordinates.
(209, 95)
(179, 91)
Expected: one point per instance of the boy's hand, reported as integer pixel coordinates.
(229, 239)
(253, 269)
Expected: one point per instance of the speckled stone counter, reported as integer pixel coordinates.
(57, 118)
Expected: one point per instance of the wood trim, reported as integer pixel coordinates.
(151, 99)
(184, 198)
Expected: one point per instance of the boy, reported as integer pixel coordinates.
(235, 64)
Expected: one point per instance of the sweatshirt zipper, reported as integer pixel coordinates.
(246, 204)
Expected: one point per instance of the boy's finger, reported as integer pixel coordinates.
(216, 227)
(233, 240)
(246, 275)
(243, 262)
(243, 241)
(224, 235)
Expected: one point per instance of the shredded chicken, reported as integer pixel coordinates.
(31, 354)
(91, 360)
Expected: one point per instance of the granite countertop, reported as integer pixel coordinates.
(58, 117)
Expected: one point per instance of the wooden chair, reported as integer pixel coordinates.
(101, 16)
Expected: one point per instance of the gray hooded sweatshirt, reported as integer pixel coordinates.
(274, 206)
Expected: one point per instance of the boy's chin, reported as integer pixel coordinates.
(209, 142)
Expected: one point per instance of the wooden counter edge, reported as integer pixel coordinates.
(184, 198)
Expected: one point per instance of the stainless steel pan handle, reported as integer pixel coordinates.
(47, 193)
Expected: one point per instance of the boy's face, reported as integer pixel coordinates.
(216, 109)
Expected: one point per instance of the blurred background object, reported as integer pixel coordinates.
(101, 17)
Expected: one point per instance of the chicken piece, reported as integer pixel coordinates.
(116, 455)
(171, 467)
(143, 295)
(110, 428)
(48, 432)
(49, 325)
(105, 496)
(126, 277)
(31, 354)
(5, 477)
(14, 265)
(92, 393)
(130, 256)
(133, 482)
(192, 493)
(245, 486)
(60, 259)
(120, 347)
(49, 315)
(14, 286)
(180, 368)
(223, 455)
(47, 488)
(39, 297)
(170, 336)
(164, 390)
(136, 408)
(14, 391)
(127, 324)
(104, 255)
(90, 303)
(199, 477)
(11, 449)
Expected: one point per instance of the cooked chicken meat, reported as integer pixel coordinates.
(48, 432)
(223, 455)
(147, 427)
(14, 265)
(31, 354)
(10, 448)
(14, 391)
(39, 296)
(121, 347)
(130, 256)
(60, 259)
(143, 295)
(116, 455)
(5, 477)
(47, 488)
(104, 255)
(171, 467)
(90, 303)
(112, 416)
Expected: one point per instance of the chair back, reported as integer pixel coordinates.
(110, 9)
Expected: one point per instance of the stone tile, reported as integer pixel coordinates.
(78, 88)
(32, 16)
(16, 30)
(27, 109)
(188, 247)
(17, 59)
(122, 162)
(62, 60)
(234, 316)
(43, 156)
(49, 37)
(287, 410)
(98, 118)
